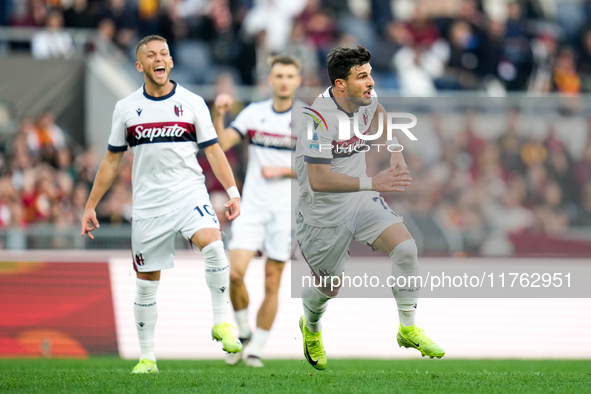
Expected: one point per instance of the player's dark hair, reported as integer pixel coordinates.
(148, 39)
(285, 59)
(340, 60)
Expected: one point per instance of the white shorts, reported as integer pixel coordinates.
(269, 232)
(326, 249)
(153, 239)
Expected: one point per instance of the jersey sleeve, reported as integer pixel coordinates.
(318, 148)
(206, 134)
(240, 124)
(118, 137)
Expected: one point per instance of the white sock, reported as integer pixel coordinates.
(315, 304)
(241, 317)
(145, 312)
(217, 276)
(405, 264)
(258, 341)
(406, 318)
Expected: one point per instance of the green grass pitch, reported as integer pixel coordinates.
(111, 375)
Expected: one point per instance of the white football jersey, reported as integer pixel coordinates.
(164, 134)
(345, 155)
(271, 144)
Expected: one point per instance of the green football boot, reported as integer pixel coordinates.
(224, 334)
(313, 347)
(145, 366)
(415, 337)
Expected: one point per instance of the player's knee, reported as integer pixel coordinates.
(145, 291)
(273, 272)
(329, 285)
(236, 276)
(330, 291)
(215, 256)
(405, 255)
(320, 291)
(272, 284)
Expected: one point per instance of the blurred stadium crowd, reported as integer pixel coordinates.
(500, 195)
(418, 48)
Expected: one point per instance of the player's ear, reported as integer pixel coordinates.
(139, 67)
(171, 63)
(340, 84)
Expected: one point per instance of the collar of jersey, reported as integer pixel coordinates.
(279, 112)
(349, 114)
(146, 95)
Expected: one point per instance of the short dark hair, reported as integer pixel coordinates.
(285, 59)
(340, 60)
(148, 39)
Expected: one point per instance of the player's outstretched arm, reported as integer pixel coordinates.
(322, 179)
(227, 137)
(223, 172)
(102, 182)
(396, 159)
(391, 180)
(274, 172)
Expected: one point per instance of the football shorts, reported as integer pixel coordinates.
(267, 231)
(326, 249)
(153, 239)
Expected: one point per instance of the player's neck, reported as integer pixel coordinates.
(281, 104)
(158, 91)
(343, 101)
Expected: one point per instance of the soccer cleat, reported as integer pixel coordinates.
(234, 358)
(224, 334)
(415, 337)
(313, 347)
(145, 366)
(253, 361)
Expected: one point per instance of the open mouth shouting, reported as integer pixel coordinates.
(160, 71)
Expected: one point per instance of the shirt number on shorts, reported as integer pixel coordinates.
(383, 202)
(208, 210)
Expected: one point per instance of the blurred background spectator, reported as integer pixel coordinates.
(53, 42)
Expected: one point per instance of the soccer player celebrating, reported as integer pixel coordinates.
(335, 180)
(165, 125)
(265, 222)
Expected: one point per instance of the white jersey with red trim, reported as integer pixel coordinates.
(164, 134)
(271, 144)
(345, 155)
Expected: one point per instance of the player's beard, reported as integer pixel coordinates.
(357, 97)
(360, 101)
(283, 97)
(151, 77)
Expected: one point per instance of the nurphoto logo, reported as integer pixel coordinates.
(358, 142)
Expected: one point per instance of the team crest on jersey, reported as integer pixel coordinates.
(178, 110)
(365, 117)
(139, 259)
